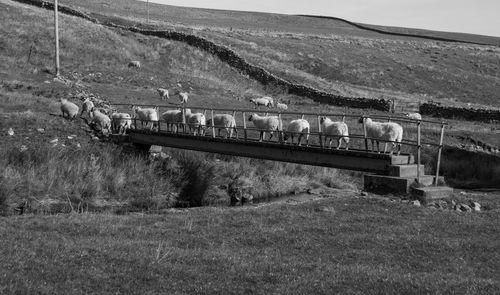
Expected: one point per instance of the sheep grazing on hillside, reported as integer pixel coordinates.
(146, 114)
(263, 101)
(223, 121)
(87, 107)
(281, 106)
(134, 64)
(163, 93)
(386, 131)
(265, 123)
(120, 122)
(183, 97)
(68, 109)
(196, 122)
(415, 116)
(300, 127)
(335, 130)
(101, 119)
(172, 118)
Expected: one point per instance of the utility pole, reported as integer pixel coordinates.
(56, 21)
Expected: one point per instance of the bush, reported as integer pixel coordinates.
(196, 179)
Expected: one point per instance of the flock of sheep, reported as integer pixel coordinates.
(119, 123)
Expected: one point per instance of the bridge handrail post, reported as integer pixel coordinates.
(280, 128)
(213, 123)
(244, 125)
(320, 133)
(183, 118)
(158, 115)
(385, 143)
(234, 116)
(419, 147)
(365, 134)
(439, 154)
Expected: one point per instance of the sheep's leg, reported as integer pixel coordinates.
(399, 148)
(385, 148)
(300, 139)
(261, 136)
(346, 144)
(270, 135)
(339, 143)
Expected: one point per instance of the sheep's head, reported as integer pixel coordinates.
(322, 119)
(251, 117)
(361, 120)
(285, 136)
(209, 123)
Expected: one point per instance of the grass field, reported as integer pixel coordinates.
(128, 238)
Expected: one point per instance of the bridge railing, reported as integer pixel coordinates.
(417, 134)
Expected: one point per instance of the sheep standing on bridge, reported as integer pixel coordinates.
(300, 127)
(263, 101)
(196, 122)
(68, 109)
(386, 131)
(223, 121)
(146, 114)
(335, 130)
(172, 118)
(120, 122)
(163, 93)
(265, 123)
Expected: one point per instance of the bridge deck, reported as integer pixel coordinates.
(352, 159)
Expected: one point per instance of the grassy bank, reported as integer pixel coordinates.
(342, 244)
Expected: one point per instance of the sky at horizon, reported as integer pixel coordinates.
(463, 16)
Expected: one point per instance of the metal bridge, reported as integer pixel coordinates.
(417, 134)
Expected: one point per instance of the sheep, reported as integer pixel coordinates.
(265, 123)
(86, 107)
(223, 121)
(101, 119)
(196, 122)
(172, 118)
(163, 93)
(415, 116)
(146, 114)
(183, 97)
(134, 64)
(264, 101)
(332, 130)
(68, 108)
(300, 127)
(387, 131)
(120, 122)
(281, 106)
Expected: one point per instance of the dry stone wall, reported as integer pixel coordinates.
(438, 110)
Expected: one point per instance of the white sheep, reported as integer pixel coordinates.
(183, 96)
(264, 101)
(281, 106)
(415, 116)
(146, 114)
(68, 109)
(223, 121)
(120, 122)
(300, 127)
(265, 123)
(134, 64)
(101, 119)
(87, 107)
(172, 118)
(196, 122)
(335, 130)
(386, 131)
(163, 93)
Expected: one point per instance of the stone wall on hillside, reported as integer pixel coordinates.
(438, 110)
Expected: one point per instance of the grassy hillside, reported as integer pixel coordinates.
(332, 55)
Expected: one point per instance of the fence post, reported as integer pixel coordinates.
(439, 154)
(280, 128)
(183, 118)
(320, 132)
(419, 147)
(213, 123)
(235, 128)
(158, 115)
(244, 126)
(364, 134)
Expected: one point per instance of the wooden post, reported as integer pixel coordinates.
(365, 135)
(319, 132)
(385, 143)
(213, 123)
(419, 147)
(439, 154)
(56, 21)
(280, 129)
(183, 118)
(158, 115)
(245, 126)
